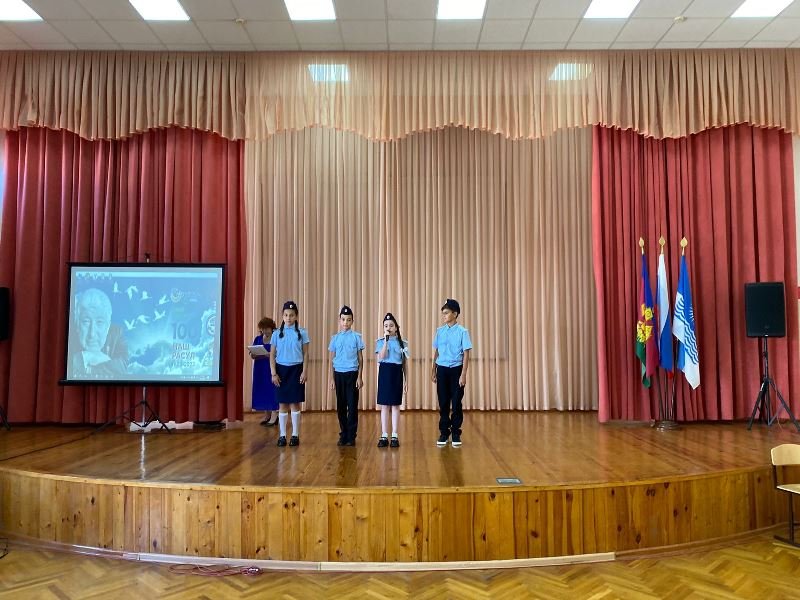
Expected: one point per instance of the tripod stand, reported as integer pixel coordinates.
(131, 412)
(4, 419)
(763, 402)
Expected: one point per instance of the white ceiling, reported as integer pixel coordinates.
(242, 25)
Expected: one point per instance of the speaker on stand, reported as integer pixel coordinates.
(765, 317)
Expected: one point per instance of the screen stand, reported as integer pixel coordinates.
(149, 415)
(4, 419)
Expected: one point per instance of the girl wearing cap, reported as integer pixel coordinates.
(393, 353)
(347, 364)
(288, 365)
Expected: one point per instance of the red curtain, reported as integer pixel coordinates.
(730, 191)
(175, 194)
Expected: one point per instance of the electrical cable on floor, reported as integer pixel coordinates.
(214, 571)
(3, 547)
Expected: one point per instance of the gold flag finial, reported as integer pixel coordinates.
(662, 242)
(684, 243)
(641, 245)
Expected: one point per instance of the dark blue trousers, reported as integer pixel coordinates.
(450, 395)
(347, 403)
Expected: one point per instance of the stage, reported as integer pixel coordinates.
(584, 488)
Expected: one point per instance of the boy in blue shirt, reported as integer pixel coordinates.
(347, 365)
(451, 347)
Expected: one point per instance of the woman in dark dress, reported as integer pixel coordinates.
(263, 390)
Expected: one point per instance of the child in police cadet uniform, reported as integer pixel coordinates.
(288, 361)
(347, 365)
(451, 348)
(392, 351)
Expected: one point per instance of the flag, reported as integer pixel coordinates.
(664, 327)
(684, 329)
(645, 336)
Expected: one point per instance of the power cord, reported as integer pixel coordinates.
(214, 571)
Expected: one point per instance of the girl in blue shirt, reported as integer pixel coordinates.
(288, 364)
(393, 355)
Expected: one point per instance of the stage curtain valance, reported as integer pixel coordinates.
(385, 96)
(112, 95)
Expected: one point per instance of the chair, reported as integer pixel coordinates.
(783, 456)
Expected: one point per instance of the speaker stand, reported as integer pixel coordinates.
(763, 403)
(4, 419)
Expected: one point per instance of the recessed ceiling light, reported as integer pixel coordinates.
(17, 10)
(761, 8)
(160, 10)
(310, 10)
(610, 9)
(460, 9)
(329, 73)
(570, 71)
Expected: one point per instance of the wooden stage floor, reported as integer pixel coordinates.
(585, 488)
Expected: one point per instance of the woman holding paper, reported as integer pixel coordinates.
(263, 390)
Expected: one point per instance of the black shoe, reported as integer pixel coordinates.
(341, 442)
(456, 440)
(395, 443)
(282, 441)
(442, 441)
(350, 443)
(294, 441)
(383, 442)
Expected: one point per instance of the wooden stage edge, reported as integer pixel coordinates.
(588, 492)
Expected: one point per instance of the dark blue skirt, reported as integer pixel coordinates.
(390, 384)
(291, 391)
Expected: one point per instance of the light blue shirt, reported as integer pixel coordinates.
(288, 349)
(346, 345)
(451, 342)
(395, 354)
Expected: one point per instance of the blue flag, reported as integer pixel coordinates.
(684, 329)
(665, 360)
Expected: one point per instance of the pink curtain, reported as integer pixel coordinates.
(730, 192)
(175, 194)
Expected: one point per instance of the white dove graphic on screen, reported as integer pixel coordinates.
(116, 288)
(160, 315)
(131, 291)
(143, 319)
(130, 324)
(145, 295)
(163, 299)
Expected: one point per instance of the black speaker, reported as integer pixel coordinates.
(5, 313)
(765, 309)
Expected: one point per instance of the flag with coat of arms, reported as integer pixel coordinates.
(646, 348)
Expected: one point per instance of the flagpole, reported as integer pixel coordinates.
(684, 243)
(668, 420)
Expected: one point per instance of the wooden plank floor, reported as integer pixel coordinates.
(756, 568)
(541, 449)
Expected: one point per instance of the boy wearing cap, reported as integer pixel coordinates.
(347, 364)
(451, 347)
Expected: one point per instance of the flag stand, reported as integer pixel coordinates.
(667, 408)
(763, 404)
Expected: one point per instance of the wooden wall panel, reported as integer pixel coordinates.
(383, 524)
